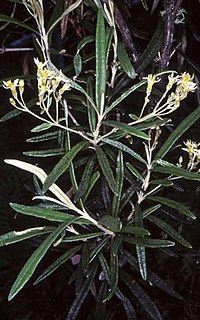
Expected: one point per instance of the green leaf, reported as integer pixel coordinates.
(45, 153)
(56, 264)
(83, 292)
(132, 89)
(183, 210)
(169, 230)
(83, 237)
(8, 19)
(127, 196)
(135, 230)
(152, 49)
(141, 296)
(58, 10)
(114, 273)
(32, 263)
(17, 236)
(128, 308)
(90, 108)
(162, 182)
(111, 223)
(127, 129)
(106, 169)
(55, 20)
(16, 112)
(140, 250)
(84, 184)
(119, 184)
(77, 61)
(109, 36)
(148, 242)
(99, 247)
(44, 137)
(100, 61)
(150, 210)
(84, 42)
(12, 114)
(179, 172)
(100, 307)
(92, 182)
(153, 278)
(124, 148)
(85, 259)
(134, 171)
(177, 133)
(125, 61)
(125, 94)
(62, 165)
(44, 213)
(42, 127)
(151, 124)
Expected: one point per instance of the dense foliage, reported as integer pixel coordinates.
(109, 210)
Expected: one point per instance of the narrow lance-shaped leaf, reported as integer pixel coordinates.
(56, 264)
(100, 307)
(44, 137)
(169, 230)
(85, 179)
(58, 9)
(62, 165)
(45, 153)
(99, 247)
(128, 307)
(125, 61)
(64, 199)
(153, 278)
(177, 133)
(100, 61)
(134, 171)
(176, 171)
(82, 237)
(127, 129)
(84, 42)
(92, 182)
(106, 169)
(141, 253)
(17, 236)
(119, 184)
(124, 148)
(141, 296)
(91, 111)
(109, 36)
(83, 291)
(114, 268)
(34, 260)
(183, 210)
(42, 213)
(55, 19)
(126, 93)
(77, 61)
(152, 49)
(149, 242)
(135, 230)
(8, 19)
(85, 259)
